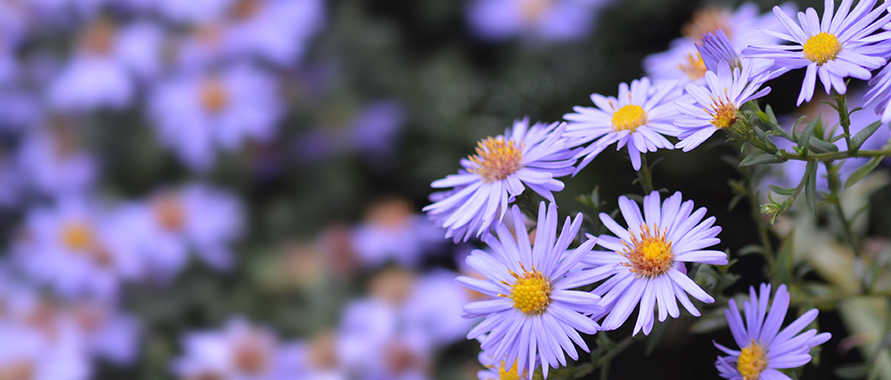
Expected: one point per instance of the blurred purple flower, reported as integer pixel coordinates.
(106, 332)
(392, 231)
(33, 356)
(545, 20)
(239, 351)
(51, 163)
(103, 70)
(275, 30)
(77, 248)
(195, 115)
(371, 133)
(192, 10)
(173, 222)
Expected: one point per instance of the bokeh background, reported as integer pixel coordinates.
(208, 189)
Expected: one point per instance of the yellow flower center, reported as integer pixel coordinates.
(708, 20)
(822, 47)
(213, 95)
(649, 255)
(693, 66)
(77, 236)
(628, 118)
(495, 159)
(752, 361)
(531, 292)
(169, 212)
(510, 373)
(724, 114)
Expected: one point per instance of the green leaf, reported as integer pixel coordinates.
(781, 190)
(821, 146)
(862, 171)
(761, 158)
(810, 187)
(783, 267)
(864, 134)
(804, 138)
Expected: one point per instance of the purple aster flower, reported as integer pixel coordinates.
(839, 46)
(104, 68)
(106, 332)
(275, 30)
(764, 348)
(638, 118)
(196, 115)
(880, 90)
(501, 170)
(533, 19)
(51, 162)
(715, 106)
(239, 351)
(533, 314)
(392, 231)
(716, 49)
(76, 248)
(646, 262)
(35, 357)
(193, 10)
(683, 62)
(500, 369)
(174, 222)
(371, 132)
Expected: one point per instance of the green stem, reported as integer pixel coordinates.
(832, 156)
(844, 118)
(644, 175)
(835, 199)
(763, 227)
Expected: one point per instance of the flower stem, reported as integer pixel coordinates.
(644, 176)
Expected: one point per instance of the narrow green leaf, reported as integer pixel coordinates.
(810, 187)
(804, 138)
(864, 134)
(656, 336)
(783, 265)
(821, 146)
(781, 190)
(761, 158)
(862, 171)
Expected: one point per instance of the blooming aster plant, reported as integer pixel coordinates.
(500, 170)
(840, 45)
(764, 348)
(645, 263)
(533, 313)
(638, 118)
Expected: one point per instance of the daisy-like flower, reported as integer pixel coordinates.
(646, 263)
(500, 170)
(880, 93)
(716, 106)
(639, 118)
(532, 314)
(764, 348)
(840, 45)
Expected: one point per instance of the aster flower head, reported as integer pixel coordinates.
(764, 348)
(715, 49)
(645, 263)
(638, 118)
(716, 106)
(533, 314)
(500, 170)
(879, 93)
(840, 45)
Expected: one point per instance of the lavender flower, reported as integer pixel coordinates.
(533, 19)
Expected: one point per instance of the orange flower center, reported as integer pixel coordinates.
(649, 254)
(495, 159)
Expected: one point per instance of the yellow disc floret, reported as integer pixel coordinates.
(495, 159)
(531, 292)
(752, 361)
(214, 96)
(77, 236)
(693, 66)
(628, 118)
(822, 47)
(508, 374)
(724, 113)
(649, 255)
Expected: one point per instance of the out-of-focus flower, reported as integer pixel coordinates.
(500, 170)
(176, 221)
(392, 231)
(839, 46)
(192, 11)
(716, 106)
(533, 315)
(105, 66)
(239, 351)
(764, 348)
(77, 248)
(683, 62)
(646, 262)
(537, 20)
(319, 359)
(371, 133)
(275, 30)
(28, 354)
(196, 115)
(638, 117)
(106, 332)
(52, 163)
(880, 90)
